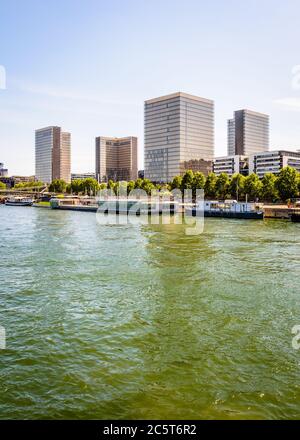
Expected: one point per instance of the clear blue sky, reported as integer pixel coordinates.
(88, 66)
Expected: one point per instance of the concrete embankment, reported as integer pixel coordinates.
(279, 211)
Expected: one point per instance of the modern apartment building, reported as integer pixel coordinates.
(81, 176)
(248, 133)
(116, 158)
(52, 154)
(231, 137)
(273, 161)
(3, 171)
(179, 135)
(231, 165)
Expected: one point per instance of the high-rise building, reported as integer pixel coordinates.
(179, 135)
(116, 158)
(52, 154)
(3, 171)
(231, 137)
(248, 133)
(273, 162)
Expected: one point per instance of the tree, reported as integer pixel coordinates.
(130, 186)
(269, 192)
(287, 183)
(236, 186)
(252, 186)
(210, 186)
(187, 180)
(110, 185)
(176, 182)
(222, 186)
(2, 185)
(89, 186)
(58, 186)
(76, 186)
(138, 183)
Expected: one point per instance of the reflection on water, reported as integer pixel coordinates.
(143, 321)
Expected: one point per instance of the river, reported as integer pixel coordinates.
(143, 321)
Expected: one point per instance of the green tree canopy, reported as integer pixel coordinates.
(222, 186)
(187, 180)
(237, 186)
(269, 192)
(287, 183)
(176, 182)
(58, 186)
(210, 186)
(252, 186)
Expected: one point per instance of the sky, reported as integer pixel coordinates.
(88, 66)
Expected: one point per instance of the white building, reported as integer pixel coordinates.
(231, 137)
(81, 176)
(247, 133)
(52, 154)
(231, 165)
(273, 161)
(179, 135)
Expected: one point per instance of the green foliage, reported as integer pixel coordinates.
(237, 186)
(269, 192)
(89, 186)
(210, 186)
(2, 185)
(187, 180)
(32, 184)
(270, 188)
(176, 182)
(287, 183)
(222, 186)
(252, 186)
(58, 186)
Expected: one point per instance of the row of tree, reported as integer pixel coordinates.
(270, 188)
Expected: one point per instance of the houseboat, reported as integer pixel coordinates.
(19, 201)
(227, 209)
(137, 206)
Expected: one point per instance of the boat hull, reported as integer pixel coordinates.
(295, 218)
(18, 203)
(224, 214)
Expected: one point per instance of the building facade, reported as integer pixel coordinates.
(179, 135)
(116, 158)
(273, 162)
(3, 171)
(231, 137)
(247, 133)
(81, 176)
(231, 165)
(52, 154)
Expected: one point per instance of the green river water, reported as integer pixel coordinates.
(143, 321)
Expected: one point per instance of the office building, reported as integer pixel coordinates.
(273, 162)
(116, 158)
(3, 171)
(231, 165)
(179, 135)
(231, 137)
(52, 154)
(81, 176)
(247, 133)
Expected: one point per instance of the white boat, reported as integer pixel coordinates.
(137, 206)
(19, 201)
(227, 208)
